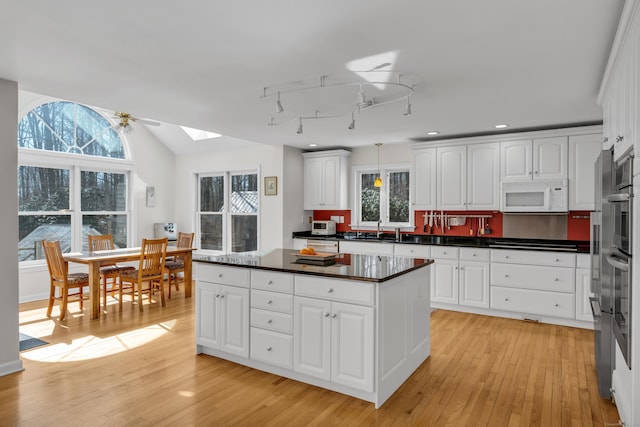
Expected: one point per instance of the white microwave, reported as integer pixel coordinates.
(534, 196)
(323, 228)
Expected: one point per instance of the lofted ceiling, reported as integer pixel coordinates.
(206, 64)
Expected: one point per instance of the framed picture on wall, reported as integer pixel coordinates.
(270, 185)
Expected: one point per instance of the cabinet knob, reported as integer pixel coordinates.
(556, 279)
(455, 268)
(605, 139)
(506, 275)
(556, 305)
(220, 275)
(221, 295)
(474, 254)
(619, 138)
(536, 172)
(326, 315)
(269, 302)
(333, 316)
(269, 321)
(506, 257)
(269, 348)
(461, 268)
(529, 172)
(444, 253)
(506, 299)
(270, 282)
(557, 260)
(330, 290)
(217, 295)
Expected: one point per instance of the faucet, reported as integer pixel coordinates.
(379, 233)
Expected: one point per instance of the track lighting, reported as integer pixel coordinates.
(279, 108)
(300, 127)
(407, 112)
(352, 125)
(378, 181)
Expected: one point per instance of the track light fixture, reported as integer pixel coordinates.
(378, 181)
(382, 87)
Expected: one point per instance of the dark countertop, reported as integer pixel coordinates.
(576, 246)
(370, 268)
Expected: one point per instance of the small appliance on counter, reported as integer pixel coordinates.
(165, 229)
(323, 228)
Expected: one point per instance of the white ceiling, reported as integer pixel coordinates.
(205, 64)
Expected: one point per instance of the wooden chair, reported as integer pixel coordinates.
(175, 266)
(150, 270)
(62, 280)
(108, 273)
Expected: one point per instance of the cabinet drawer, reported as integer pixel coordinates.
(224, 275)
(271, 347)
(475, 254)
(366, 248)
(271, 281)
(535, 302)
(557, 259)
(271, 320)
(335, 289)
(415, 251)
(446, 252)
(272, 301)
(557, 279)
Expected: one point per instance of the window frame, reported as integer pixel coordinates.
(385, 170)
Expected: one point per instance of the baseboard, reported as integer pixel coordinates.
(11, 367)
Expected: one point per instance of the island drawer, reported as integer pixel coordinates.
(557, 279)
(223, 275)
(556, 304)
(444, 252)
(273, 301)
(272, 281)
(335, 289)
(556, 259)
(475, 254)
(272, 347)
(415, 251)
(271, 320)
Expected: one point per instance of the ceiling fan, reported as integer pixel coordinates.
(126, 119)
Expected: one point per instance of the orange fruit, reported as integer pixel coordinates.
(304, 251)
(311, 251)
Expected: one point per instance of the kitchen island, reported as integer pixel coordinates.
(359, 326)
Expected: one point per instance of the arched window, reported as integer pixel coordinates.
(72, 179)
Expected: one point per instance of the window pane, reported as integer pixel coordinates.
(399, 197)
(42, 189)
(211, 232)
(105, 224)
(95, 135)
(244, 193)
(370, 199)
(212, 194)
(101, 191)
(244, 233)
(32, 229)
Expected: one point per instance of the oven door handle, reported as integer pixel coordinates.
(618, 197)
(595, 308)
(618, 263)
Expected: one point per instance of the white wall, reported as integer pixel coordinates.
(389, 154)
(268, 160)
(294, 216)
(9, 349)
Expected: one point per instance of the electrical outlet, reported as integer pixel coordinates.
(336, 219)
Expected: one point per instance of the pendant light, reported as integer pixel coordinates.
(378, 181)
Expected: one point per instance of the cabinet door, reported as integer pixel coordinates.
(483, 176)
(331, 177)
(583, 292)
(550, 158)
(583, 152)
(352, 346)
(474, 283)
(515, 160)
(424, 182)
(207, 307)
(313, 183)
(444, 281)
(234, 320)
(452, 178)
(312, 337)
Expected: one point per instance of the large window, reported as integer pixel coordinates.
(388, 205)
(228, 212)
(71, 179)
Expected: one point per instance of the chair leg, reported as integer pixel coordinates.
(63, 306)
(161, 283)
(140, 295)
(104, 293)
(52, 297)
(120, 296)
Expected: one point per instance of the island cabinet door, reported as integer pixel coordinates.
(234, 320)
(207, 314)
(312, 337)
(352, 346)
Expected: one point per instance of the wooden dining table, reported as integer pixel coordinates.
(96, 259)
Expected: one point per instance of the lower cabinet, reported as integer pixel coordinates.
(334, 341)
(445, 281)
(222, 318)
(474, 283)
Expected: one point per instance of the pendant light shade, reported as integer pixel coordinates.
(378, 181)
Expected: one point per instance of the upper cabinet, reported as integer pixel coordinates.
(451, 193)
(423, 184)
(541, 158)
(326, 180)
(583, 152)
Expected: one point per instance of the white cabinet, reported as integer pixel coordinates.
(473, 277)
(483, 176)
(366, 248)
(222, 318)
(444, 274)
(541, 158)
(334, 341)
(583, 152)
(423, 183)
(451, 179)
(326, 180)
(583, 287)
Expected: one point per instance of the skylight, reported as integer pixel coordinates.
(375, 68)
(198, 134)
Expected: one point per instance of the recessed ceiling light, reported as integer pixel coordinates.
(433, 132)
(313, 145)
(501, 126)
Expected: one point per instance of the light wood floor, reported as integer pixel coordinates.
(133, 369)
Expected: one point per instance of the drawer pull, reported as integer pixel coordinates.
(556, 305)
(557, 260)
(217, 295)
(506, 257)
(326, 315)
(269, 302)
(270, 282)
(330, 290)
(269, 321)
(333, 316)
(444, 253)
(221, 295)
(269, 348)
(556, 279)
(474, 254)
(506, 275)
(219, 275)
(506, 299)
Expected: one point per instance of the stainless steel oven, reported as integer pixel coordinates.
(621, 202)
(621, 264)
